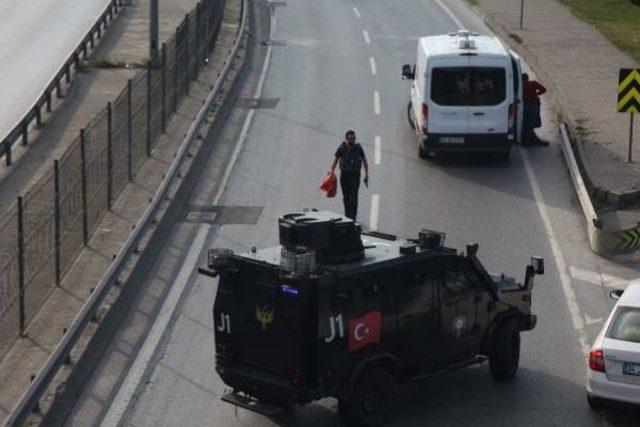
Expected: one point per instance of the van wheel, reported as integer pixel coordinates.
(411, 122)
(505, 351)
(371, 399)
(422, 153)
(504, 155)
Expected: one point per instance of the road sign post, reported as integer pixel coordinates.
(629, 99)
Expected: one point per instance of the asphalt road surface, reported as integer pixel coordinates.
(36, 38)
(335, 66)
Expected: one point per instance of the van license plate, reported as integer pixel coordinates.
(631, 368)
(452, 139)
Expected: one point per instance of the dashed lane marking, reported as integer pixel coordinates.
(373, 214)
(376, 102)
(377, 153)
(372, 62)
(365, 34)
(357, 12)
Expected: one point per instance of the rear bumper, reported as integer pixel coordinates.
(262, 385)
(598, 385)
(473, 143)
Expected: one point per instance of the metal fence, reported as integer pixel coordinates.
(48, 227)
(82, 51)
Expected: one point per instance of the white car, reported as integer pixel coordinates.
(614, 360)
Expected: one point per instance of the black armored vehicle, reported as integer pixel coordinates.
(334, 311)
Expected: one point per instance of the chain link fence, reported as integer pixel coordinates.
(46, 229)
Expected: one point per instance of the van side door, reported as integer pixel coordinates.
(518, 93)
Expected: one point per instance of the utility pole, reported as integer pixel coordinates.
(153, 29)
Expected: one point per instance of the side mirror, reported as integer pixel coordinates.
(616, 294)
(407, 72)
(538, 264)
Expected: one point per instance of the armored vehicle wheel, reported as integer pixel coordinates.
(505, 351)
(371, 399)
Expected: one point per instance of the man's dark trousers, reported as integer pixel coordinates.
(350, 183)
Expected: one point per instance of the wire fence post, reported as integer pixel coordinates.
(197, 49)
(7, 152)
(21, 296)
(109, 154)
(164, 88)
(175, 72)
(83, 184)
(187, 80)
(56, 207)
(129, 132)
(149, 109)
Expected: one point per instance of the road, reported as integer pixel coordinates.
(36, 38)
(336, 65)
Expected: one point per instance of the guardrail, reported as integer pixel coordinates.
(603, 239)
(82, 51)
(39, 385)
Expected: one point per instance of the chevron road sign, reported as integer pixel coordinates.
(629, 98)
(629, 91)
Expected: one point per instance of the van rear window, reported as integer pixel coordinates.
(468, 86)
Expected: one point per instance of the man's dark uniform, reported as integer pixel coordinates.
(350, 164)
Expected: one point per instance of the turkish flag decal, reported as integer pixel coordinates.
(364, 331)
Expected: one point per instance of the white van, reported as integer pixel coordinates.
(466, 95)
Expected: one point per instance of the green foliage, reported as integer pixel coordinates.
(618, 20)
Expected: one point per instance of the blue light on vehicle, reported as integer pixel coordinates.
(289, 290)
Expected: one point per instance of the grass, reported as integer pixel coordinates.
(618, 20)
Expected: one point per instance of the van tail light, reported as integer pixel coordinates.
(596, 360)
(511, 117)
(424, 129)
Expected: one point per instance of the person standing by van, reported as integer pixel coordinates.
(532, 119)
(351, 157)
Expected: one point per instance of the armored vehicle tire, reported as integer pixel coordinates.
(371, 399)
(505, 351)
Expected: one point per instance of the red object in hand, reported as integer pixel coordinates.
(329, 185)
(364, 331)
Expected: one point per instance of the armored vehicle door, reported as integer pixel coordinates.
(458, 296)
(416, 290)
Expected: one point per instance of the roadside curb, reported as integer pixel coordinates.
(602, 239)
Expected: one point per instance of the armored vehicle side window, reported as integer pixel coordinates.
(456, 282)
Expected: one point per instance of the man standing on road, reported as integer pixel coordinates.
(531, 94)
(351, 157)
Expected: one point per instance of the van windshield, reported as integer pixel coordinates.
(468, 86)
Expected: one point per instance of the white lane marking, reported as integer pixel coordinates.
(372, 62)
(120, 404)
(376, 102)
(377, 153)
(357, 12)
(565, 280)
(451, 15)
(592, 320)
(365, 33)
(373, 214)
(596, 278)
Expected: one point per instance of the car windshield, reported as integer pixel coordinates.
(468, 86)
(625, 325)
